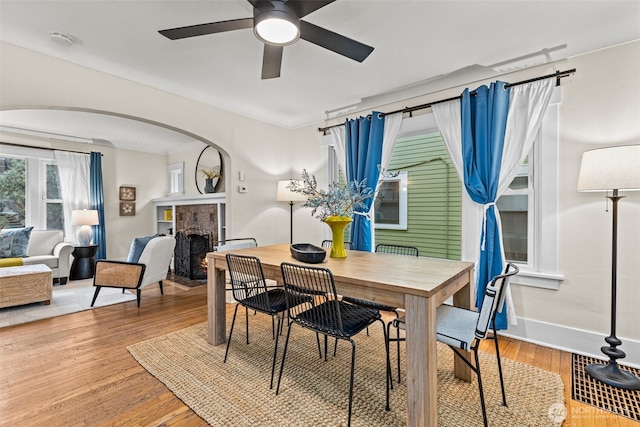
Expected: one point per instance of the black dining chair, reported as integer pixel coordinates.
(463, 329)
(385, 248)
(327, 244)
(250, 290)
(329, 316)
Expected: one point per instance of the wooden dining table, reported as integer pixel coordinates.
(417, 284)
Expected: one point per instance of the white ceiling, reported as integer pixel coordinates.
(425, 45)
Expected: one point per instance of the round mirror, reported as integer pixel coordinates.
(209, 170)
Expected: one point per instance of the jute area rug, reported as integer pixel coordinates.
(315, 393)
(70, 298)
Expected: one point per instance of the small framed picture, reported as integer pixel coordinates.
(127, 209)
(127, 194)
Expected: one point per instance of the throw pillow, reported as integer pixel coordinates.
(14, 242)
(137, 246)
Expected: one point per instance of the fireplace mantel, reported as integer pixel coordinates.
(200, 199)
(166, 209)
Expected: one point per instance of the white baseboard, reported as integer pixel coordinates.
(573, 340)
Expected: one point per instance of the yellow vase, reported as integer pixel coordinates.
(337, 225)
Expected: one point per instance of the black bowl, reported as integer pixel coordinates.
(306, 252)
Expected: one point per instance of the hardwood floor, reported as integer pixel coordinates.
(74, 370)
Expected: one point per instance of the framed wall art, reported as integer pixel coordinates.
(127, 209)
(127, 194)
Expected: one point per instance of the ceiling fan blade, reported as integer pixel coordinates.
(210, 28)
(334, 42)
(271, 61)
(305, 7)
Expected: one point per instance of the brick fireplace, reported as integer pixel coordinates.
(196, 232)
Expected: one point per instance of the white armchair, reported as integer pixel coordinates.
(48, 247)
(152, 267)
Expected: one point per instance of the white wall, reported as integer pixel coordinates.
(601, 106)
(263, 152)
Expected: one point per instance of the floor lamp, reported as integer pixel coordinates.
(286, 195)
(617, 169)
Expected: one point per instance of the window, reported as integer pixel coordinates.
(54, 213)
(41, 206)
(514, 215)
(529, 208)
(13, 186)
(176, 178)
(391, 204)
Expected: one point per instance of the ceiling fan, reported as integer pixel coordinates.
(278, 23)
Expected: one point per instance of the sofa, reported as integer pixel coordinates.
(49, 248)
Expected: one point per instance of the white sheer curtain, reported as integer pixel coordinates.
(339, 141)
(73, 175)
(527, 104)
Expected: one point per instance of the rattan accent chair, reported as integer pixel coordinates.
(384, 248)
(250, 290)
(152, 267)
(329, 316)
(463, 329)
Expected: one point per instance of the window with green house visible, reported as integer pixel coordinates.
(433, 198)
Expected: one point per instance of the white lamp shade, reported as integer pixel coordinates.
(84, 217)
(611, 168)
(286, 195)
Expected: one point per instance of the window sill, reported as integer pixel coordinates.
(537, 279)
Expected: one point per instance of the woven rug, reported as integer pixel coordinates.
(315, 393)
(595, 393)
(73, 297)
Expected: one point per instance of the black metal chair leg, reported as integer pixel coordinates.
(319, 348)
(138, 295)
(284, 356)
(246, 312)
(353, 363)
(161, 290)
(388, 339)
(504, 395)
(95, 295)
(275, 353)
(397, 345)
(482, 403)
(325, 347)
(233, 322)
(273, 332)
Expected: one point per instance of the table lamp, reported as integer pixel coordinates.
(616, 169)
(286, 195)
(85, 218)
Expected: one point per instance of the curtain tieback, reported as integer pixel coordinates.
(484, 223)
(364, 214)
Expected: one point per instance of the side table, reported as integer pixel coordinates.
(84, 262)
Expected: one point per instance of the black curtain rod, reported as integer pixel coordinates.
(43, 148)
(558, 75)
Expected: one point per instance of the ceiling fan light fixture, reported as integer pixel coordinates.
(277, 27)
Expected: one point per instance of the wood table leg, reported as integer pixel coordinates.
(422, 369)
(216, 309)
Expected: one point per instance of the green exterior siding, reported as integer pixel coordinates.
(434, 198)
